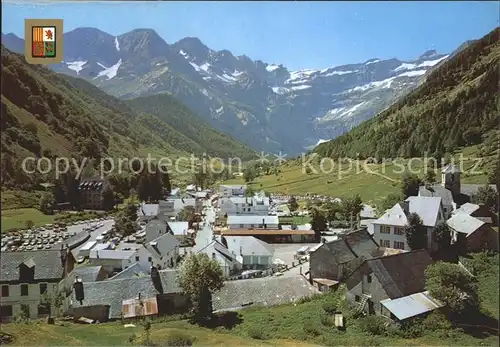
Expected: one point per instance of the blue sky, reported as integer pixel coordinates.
(297, 34)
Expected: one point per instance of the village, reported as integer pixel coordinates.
(98, 274)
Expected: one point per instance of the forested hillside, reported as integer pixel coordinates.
(198, 135)
(49, 114)
(456, 106)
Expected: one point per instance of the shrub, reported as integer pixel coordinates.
(329, 307)
(436, 321)
(256, 333)
(178, 340)
(311, 329)
(373, 325)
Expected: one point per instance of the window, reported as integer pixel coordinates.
(384, 229)
(5, 290)
(43, 309)
(385, 243)
(369, 279)
(398, 231)
(150, 259)
(356, 298)
(6, 311)
(241, 226)
(43, 288)
(24, 290)
(399, 245)
(136, 258)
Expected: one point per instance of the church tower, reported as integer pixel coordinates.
(450, 179)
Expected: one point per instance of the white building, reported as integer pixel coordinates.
(242, 222)
(85, 250)
(232, 190)
(112, 260)
(161, 252)
(251, 252)
(256, 205)
(388, 230)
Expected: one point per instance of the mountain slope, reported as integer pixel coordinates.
(49, 114)
(456, 106)
(264, 105)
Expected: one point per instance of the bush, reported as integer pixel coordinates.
(436, 321)
(311, 329)
(329, 307)
(256, 333)
(373, 325)
(178, 340)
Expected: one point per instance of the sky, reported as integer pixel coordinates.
(299, 35)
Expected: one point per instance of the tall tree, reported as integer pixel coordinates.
(351, 207)
(293, 204)
(332, 209)
(410, 186)
(143, 187)
(415, 233)
(487, 196)
(249, 174)
(452, 285)
(126, 220)
(199, 277)
(165, 180)
(430, 176)
(494, 176)
(108, 198)
(443, 235)
(47, 203)
(318, 223)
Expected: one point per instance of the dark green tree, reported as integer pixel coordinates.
(293, 204)
(415, 233)
(430, 176)
(318, 223)
(443, 235)
(108, 198)
(47, 203)
(487, 196)
(351, 207)
(410, 186)
(249, 174)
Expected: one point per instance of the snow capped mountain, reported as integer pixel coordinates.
(263, 104)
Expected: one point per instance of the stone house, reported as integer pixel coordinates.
(91, 193)
(389, 277)
(471, 234)
(25, 278)
(335, 260)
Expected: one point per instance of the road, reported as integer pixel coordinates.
(107, 224)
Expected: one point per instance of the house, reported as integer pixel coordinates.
(266, 291)
(175, 192)
(191, 188)
(89, 273)
(108, 300)
(134, 270)
(161, 252)
(154, 229)
(241, 222)
(180, 230)
(26, 276)
(368, 212)
(451, 186)
(147, 212)
(255, 205)
(471, 234)
(336, 259)
(254, 253)
(112, 260)
(385, 278)
(388, 230)
(480, 212)
(232, 190)
(91, 193)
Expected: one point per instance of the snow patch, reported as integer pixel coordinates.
(104, 67)
(272, 67)
(205, 67)
(182, 53)
(76, 66)
(196, 67)
(412, 73)
(117, 44)
(372, 61)
(237, 73)
(320, 141)
(332, 73)
(220, 110)
(302, 87)
(111, 71)
(280, 90)
(427, 63)
(301, 74)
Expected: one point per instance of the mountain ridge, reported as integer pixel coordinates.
(265, 105)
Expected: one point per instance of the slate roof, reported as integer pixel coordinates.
(149, 210)
(437, 190)
(86, 273)
(111, 254)
(471, 189)
(134, 270)
(47, 264)
(399, 274)
(450, 168)
(267, 291)
(352, 245)
(426, 207)
(463, 223)
(113, 291)
(467, 208)
(164, 245)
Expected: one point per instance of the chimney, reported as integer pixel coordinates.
(138, 296)
(79, 292)
(241, 250)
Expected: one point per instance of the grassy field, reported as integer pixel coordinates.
(302, 324)
(16, 218)
(373, 182)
